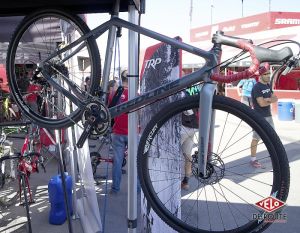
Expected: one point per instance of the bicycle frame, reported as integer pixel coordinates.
(203, 75)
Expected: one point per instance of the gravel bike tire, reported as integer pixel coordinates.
(233, 187)
(36, 37)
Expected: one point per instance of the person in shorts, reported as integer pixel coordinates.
(262, 97)
(189, 142)
(244, 89)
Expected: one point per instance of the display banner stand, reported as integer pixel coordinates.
(87, 203)
(162, 64)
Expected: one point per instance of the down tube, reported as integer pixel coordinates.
(160, 92)
(205, 120)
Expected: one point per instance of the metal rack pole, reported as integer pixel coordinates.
(63, 177)
(132, 123)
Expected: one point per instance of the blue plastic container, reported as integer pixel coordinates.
(57, 215)
(297, 111)
(285, 110)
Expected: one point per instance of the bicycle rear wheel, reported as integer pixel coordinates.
(225, 200)
(37, 37)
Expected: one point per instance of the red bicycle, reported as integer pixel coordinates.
(105, 148)
(27, 163)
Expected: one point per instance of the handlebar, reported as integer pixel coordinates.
(18, 156)
(6, 157)
(258, 55)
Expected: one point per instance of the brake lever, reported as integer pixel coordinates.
(291, 65)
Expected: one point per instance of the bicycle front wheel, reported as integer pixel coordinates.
(37, 37)
(224, 200)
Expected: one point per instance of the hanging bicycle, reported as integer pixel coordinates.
(224, 188)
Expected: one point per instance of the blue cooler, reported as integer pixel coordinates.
(57, 215)
(297, 111)
(285, 109)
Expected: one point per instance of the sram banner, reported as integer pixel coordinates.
(246, 25)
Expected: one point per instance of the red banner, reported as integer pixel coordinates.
(246, 25)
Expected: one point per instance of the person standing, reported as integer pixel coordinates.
(112, 88)
(32, 95)
(87, 83)
(119, 138)
(262, 97)
(189, 142)
(244, 89)
(189, 137)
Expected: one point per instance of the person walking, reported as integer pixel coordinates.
(189, 137)
(119, 138)
(189, 141)
(244, 89)
(262, 97)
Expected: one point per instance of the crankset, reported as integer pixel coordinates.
(96, 121)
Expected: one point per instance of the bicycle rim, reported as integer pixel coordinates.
(225, 200)
(38, 36)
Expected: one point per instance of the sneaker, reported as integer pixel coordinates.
(256, 164)
(185, 185)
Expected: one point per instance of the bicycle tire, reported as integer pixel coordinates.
(25, 48)
(23, 183)
(221, 209)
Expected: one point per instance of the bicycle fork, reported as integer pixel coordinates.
(206, 127)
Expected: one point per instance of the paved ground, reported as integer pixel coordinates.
(289, 132)
(115, 207)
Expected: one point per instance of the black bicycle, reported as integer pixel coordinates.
(223, 187)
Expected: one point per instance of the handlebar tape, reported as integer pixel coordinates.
(257, 54)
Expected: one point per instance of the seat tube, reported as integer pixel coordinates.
(205, 120)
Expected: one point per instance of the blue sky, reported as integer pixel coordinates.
(172, 17)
